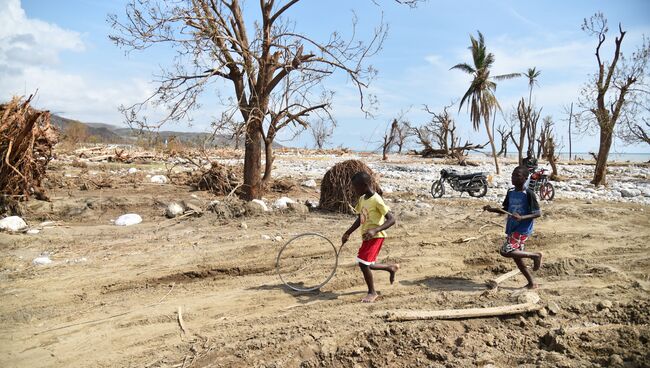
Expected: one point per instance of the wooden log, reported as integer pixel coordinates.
(418, 315)
(493, 283)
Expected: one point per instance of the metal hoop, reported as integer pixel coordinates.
(292, 287)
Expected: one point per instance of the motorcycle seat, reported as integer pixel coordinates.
(469, 176)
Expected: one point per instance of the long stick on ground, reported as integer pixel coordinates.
(417, 315)
(181, 323)
(493, 283)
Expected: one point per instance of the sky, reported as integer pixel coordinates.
(61, 49)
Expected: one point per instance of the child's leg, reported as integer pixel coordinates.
(367, 276)
(390, 268)
(518, 256)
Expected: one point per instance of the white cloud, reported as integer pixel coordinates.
(27, 42)
(30, 52)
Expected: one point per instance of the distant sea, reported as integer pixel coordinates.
(620, 157)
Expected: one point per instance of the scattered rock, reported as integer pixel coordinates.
(174, 209)
(261, 204)
(408, 216)
(605, 304)
(132, 170)
(278, 238)
(42, 260)
(12, 224)
(629, 193)
(543, 313)
(195, 207)
(311, 183)
(159, 179)
(282, 202)
(310, 203)
(243, 226)
(266, 237)
(128, 219)
(553, 308)
(615, 360)
(298, 208)
(32, 231)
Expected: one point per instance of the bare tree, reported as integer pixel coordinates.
(544, 133)
(274, 70)
(389, 139)
(505, 133)
(569, 112)
(321, 131)
(604, 99)
(527, 117)
(440, 132)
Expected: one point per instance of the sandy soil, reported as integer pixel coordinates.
(112, 295)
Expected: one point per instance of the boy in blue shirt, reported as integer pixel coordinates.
(522, 204)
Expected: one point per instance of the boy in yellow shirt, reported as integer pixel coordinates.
(374, 217)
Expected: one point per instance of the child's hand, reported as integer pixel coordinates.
(487, 207)
(516, 216)
(370, 234)
(344, 238)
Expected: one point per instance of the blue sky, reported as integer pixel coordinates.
(64, 52)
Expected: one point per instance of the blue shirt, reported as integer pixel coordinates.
(523, 203)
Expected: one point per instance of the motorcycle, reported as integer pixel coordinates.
(539, 182)
(474, 184)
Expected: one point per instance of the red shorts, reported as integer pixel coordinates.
(514, 241)
(369, 250)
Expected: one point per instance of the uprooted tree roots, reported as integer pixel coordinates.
(219, 179)
(26, 142)
(336, 193)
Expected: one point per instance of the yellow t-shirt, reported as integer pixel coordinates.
(371, 212)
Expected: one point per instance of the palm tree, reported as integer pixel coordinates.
(531, 74)
(480, 94)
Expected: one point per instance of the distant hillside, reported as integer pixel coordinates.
(107, 133)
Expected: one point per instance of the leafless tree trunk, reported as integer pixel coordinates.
(527, 118)
(544, 133)
(321, 131)
(271, 67)
(604, 97)
(389, 139)
(505, 132)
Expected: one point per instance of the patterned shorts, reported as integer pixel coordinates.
(514, 241)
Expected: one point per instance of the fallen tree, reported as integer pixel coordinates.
(26, 142)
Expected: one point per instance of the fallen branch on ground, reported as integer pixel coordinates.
(418, 315)
(181, 323)
(493, 283)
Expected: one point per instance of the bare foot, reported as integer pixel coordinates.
(532, 286)
(370, 298)
(537, 262)
(393, 270)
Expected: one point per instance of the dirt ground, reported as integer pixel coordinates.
(111, 298)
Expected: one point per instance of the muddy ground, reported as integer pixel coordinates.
(111, 297)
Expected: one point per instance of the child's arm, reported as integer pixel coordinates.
(493, 209)
(390, 221)
(352, 228)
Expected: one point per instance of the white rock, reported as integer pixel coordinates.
(159, 179)
(266, 237)
(128, 219)
(12, 224)
(243, 225)
(133, 170)
(42, 260)
(311, 183)
(278, 238)
(47, 223)
(174, 209)
(281, 203)
(629, 193)
(32, 231)
(260, 203)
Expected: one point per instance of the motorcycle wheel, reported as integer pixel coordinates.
(547, 192)
(437, 189)
(480, 192)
